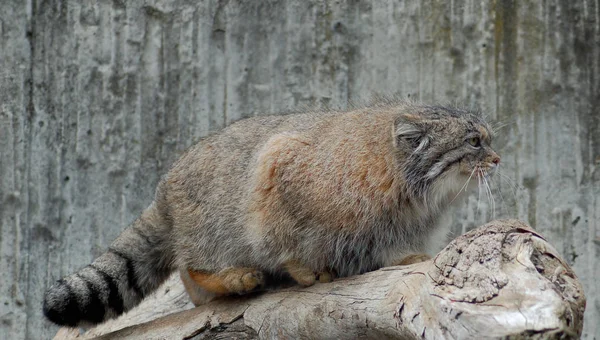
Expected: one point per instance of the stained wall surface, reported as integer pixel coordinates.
(97, 98)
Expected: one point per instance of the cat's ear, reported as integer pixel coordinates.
(410, 130)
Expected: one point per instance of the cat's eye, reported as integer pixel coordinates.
(474, 141)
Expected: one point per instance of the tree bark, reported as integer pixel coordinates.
(499, 280)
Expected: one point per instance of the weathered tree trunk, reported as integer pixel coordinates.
(501, 279)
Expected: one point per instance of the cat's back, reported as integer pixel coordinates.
(217, 167)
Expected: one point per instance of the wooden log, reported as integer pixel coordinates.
(499, 280)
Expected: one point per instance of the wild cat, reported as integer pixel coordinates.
(313, 195)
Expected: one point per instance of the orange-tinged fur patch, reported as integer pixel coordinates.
(484, 133)
(276, 152)
(361, 171)
(209, 282)
(300, 273)
(229, 280)
(491, 156)
(197, 295)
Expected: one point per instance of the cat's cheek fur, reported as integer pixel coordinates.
(447, 186)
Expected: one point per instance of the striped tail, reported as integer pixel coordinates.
(137, 262)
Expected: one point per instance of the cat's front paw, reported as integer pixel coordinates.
(304, 275)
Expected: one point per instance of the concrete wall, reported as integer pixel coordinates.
(97, 98)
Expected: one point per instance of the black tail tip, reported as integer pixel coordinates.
(60, 305)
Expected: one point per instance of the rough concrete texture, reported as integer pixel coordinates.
(98, 98)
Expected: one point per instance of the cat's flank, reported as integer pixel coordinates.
(315, 195)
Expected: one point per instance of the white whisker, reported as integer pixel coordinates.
(493, 199)
(478, 187)
(468, 180)
(502, 199)
(464, 187)
(484, 182)
(508, 181)
(501, 125)
(490, 195)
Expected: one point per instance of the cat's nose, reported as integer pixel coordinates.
(496, 160)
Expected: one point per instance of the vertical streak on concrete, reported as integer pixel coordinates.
(15, 108)
(586, 241)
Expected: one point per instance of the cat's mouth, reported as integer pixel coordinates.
(479, 170)
(486, 170)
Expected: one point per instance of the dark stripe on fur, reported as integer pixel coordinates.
(419, 165)
(93, 310)
(458, 159)
(141, 234)
(65, 312)
(115, 302)
(131, 279)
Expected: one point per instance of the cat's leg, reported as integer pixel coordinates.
(306, 276)
(325, 277)
(232, 280)
(197, 294)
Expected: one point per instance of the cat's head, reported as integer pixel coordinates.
(443, 150)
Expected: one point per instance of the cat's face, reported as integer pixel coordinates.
(447, 150)
(479, 159)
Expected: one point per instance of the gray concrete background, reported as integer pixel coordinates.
(98, 98)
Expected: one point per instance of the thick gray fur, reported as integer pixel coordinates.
(346, 192)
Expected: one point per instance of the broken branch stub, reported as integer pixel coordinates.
(504, 279)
